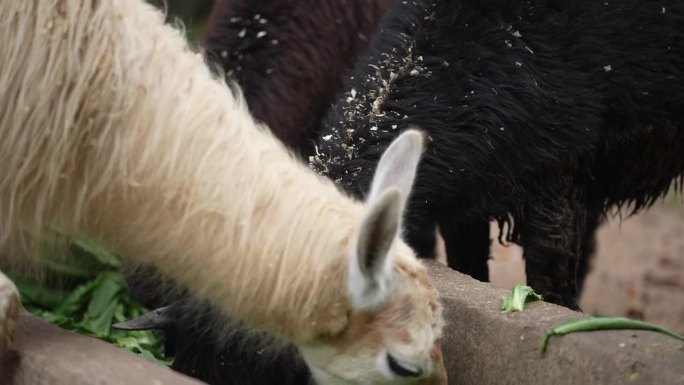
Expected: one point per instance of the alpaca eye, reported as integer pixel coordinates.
(401, 370)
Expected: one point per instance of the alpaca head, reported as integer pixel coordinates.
(394, 318)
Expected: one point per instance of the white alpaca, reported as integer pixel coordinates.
(110, 127)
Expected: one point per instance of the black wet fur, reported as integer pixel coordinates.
(239, 359)
(541, 115)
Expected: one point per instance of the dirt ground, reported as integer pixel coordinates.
(638, 270)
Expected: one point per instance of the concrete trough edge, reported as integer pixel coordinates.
(44, 354)
(484, 346)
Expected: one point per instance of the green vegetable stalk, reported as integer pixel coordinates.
(604, 323)
(520, 294)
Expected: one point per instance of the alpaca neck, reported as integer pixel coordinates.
(273, 252)
(163, 164)
(240, 222)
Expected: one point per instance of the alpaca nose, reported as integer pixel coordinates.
(443, 379)
(440, 376)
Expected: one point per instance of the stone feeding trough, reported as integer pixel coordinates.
(481, 346)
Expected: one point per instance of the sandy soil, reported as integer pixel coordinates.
(638, 270)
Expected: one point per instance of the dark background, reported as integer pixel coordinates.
(192, 13)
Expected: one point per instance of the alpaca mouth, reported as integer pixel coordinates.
(325, 377)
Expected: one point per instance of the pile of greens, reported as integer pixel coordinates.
(85, 291)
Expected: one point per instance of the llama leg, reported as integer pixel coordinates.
(9, 311)
(593, 221)
(467, 246)
(551, 250)
(421, 236)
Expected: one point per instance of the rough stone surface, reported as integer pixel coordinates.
(44, 354)
(484, 346)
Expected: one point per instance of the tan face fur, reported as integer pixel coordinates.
(407, 326)
(394, 321)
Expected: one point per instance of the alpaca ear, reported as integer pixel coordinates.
(397, 166)
(370, 268)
